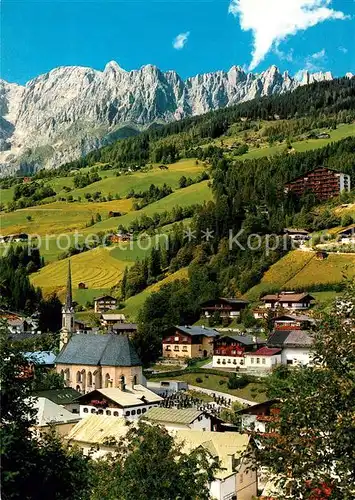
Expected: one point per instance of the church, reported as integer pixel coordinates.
(94, 361)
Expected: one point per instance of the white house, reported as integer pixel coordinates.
(184, 418)
(296, 346)
(258, 417)
(265, 358)
(130, 403)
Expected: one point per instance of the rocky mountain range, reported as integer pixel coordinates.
(71, 110)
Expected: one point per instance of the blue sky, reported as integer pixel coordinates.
(188, 36)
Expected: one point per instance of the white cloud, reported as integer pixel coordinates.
(314, 62)
(271, 21)
(318, 55)
(180, 41)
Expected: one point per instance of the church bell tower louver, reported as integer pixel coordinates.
(67, 313)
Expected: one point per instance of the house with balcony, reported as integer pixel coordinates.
(105, 303)
(188, 342)
(111, 319)
(229, 350)
(129, 402)
(226, 307)
(288, 300)
(260, 417)
(293, 322)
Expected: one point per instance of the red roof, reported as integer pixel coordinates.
(264, 351)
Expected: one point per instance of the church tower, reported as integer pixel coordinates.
(67, 314)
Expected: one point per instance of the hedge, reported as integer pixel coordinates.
(207, 371)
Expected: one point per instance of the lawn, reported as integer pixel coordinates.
(96, 268)
(255, 391)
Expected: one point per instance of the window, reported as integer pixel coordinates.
(86, 410)
(144, 410)
(115, 413)
(176, 339)
(139, 411)
(108, 412)
(289, 362)
(258, 361)
(164, 384)
(184, 348)
(242, 361)
(168, 348)
(89, 378)
(263, 361)
(252, 361)
(133, 412)
(93, 411)
(176, 348)
(229, 361)
(241, 478)
(100, 412)
(128, 413)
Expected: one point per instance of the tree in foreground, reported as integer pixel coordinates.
(32, 467)
(310, 447)
(149, 464)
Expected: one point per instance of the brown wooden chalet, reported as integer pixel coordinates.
(292, 322)
(288, 300)
(226, 307)
(236, 345)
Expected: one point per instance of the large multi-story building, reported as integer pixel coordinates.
(323, 182)
(188, 342)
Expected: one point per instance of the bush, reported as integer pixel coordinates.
(199, 380)
(221, 382)
(235, 382)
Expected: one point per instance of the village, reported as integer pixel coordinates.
(106, 389)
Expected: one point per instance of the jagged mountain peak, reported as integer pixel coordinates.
(62, 114)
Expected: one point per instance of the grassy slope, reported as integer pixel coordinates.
(196, 193)
(58, 217)
(335, 135)
(133, 304)
(302, 269)
(96, 268)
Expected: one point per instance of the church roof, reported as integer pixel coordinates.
(95, 350)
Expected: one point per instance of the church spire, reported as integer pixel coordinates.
(68, 314)
(69, 295)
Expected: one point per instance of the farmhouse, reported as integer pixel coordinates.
(188, 342)
(127, 328)
(184, 418)
(347, 235)
(293, 322)
(110, 319)
(295, 344)
(126, 401)
(258, 417)
(297, 235)
(230, 349)
(89, 361)
(288, 300)
(225, 307)
(104, 303)
(323, 182)
(82, 286)
(265, 358)
(121, 237)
